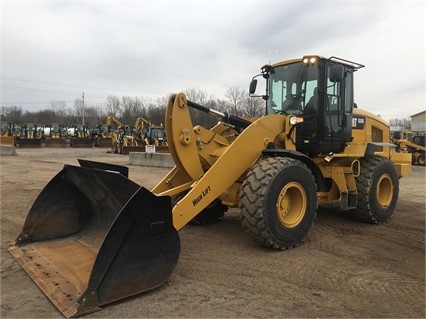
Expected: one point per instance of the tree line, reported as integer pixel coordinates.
(127, 109)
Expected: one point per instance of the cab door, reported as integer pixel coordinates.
(338, 104)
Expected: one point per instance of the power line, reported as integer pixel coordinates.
(35, 90)
(48, 102)
(80, 86)
(47, 91)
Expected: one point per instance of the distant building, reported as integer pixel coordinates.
(394, 128)
(418, 122)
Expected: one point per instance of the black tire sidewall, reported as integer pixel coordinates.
(383, 213)
(421, 160)
(277, 231)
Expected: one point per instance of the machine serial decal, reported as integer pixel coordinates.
(358, 122)
(201, 196)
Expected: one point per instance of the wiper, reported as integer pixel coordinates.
(293, 101)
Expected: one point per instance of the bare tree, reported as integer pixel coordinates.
(237, 97)
(140, 107)
(201, 97)
(78, 107)
(91, 116)
(113, 105)
(13, 114)
(253, 107)
(57, 105)
(128, 109)
(156, 114)
(197, 95)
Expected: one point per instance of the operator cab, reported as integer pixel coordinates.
(320, 91)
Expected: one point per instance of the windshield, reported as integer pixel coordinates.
(157, 133)
(290, 87)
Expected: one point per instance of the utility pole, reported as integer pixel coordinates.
(83, 108)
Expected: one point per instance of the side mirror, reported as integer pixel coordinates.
(337, 73)
(252, 88)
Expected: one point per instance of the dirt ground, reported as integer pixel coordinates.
(344, 269)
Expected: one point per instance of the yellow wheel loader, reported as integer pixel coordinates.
(30, 136)
(55, 135)
(7, 138)
(93, 236)
(80, 137)
(415, 146)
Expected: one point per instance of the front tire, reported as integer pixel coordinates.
(279, 202)
(378, 188)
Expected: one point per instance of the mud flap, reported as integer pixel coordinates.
(93, 237)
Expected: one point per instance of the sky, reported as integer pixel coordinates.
(56, 50)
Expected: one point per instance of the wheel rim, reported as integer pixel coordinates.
(291, 205)
(384, 192)
(421, 160)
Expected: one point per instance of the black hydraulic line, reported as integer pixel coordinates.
(226, 117)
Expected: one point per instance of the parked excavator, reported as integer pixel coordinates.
(93, 236)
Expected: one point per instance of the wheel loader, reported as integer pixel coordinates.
(30, 136)
(93, 236)
(80, 137)
(6, 138)
(55, 135)
(415, 145)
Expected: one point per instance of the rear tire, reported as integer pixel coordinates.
(378, 188)
(421, 159)
(279, 202)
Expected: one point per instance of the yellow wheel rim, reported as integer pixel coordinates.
(384, 191)
(291, 205)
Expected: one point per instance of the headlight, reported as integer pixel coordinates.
(294, 120)
(310, 60)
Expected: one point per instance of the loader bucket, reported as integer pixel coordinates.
(123, 170)
(56, 142)
(29, 142)
(105, 142)
(93, 237)
(7, 140)
(128, 149)
(82, 142)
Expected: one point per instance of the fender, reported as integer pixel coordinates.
(319, 178)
